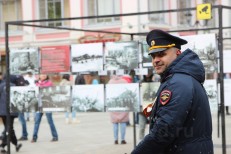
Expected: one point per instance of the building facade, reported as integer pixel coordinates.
(22, 36)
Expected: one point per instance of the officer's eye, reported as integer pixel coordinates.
(158, 54)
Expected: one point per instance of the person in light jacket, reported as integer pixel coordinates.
(119, 118)
(42, 83)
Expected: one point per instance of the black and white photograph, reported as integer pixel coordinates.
(211, 90)
(122, 97)
(24, 99)
(146, 59)
(205, 45)
(87, 57)
(24, 60)
(88, 98)
(227, 92)
(56, 98)
(227, 61)
(121, 55)
(148, 93)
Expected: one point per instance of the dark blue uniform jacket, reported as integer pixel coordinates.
(3, 103)
(183, 125)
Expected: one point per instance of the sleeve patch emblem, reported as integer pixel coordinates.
(165, 96)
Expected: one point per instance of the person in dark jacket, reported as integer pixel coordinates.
(3, 114)
(180, 117)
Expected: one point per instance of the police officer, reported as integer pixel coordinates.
(180, 117)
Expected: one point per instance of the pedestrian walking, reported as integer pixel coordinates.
(3, 115)
(44, 82)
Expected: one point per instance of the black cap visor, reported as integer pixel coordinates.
(156, 50)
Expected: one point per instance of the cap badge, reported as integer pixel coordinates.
(165, 96)
(153, 43)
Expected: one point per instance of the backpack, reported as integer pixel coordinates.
(20, 81)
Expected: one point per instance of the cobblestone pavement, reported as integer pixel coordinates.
(93, 135)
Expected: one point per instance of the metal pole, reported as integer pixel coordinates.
(218, 120)
(8, 120)
(134, 128)
(134, 114)
(221, 79)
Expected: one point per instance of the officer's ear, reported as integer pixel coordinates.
(178, 52)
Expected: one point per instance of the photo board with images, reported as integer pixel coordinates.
(122, 97)
(146, 59)
(227, 61)
(227, 92)
(212, 93)
(55, 98)
(88, 98)
(24, 99)
(87, 57)
(205, 45)
(24, 60)
(121, 55)
(148, 93)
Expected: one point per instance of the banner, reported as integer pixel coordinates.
(55, 59)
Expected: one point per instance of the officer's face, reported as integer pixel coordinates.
(161, 60)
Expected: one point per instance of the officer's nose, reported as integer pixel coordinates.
(155, 60)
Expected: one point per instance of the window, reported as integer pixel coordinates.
(102, 7)
(51, 9)
(184, 17)
(10, 10)
(188, 18)
(156, 5)
(212, 22)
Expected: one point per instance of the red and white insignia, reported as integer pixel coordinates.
(148, 109)
(165, 96)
